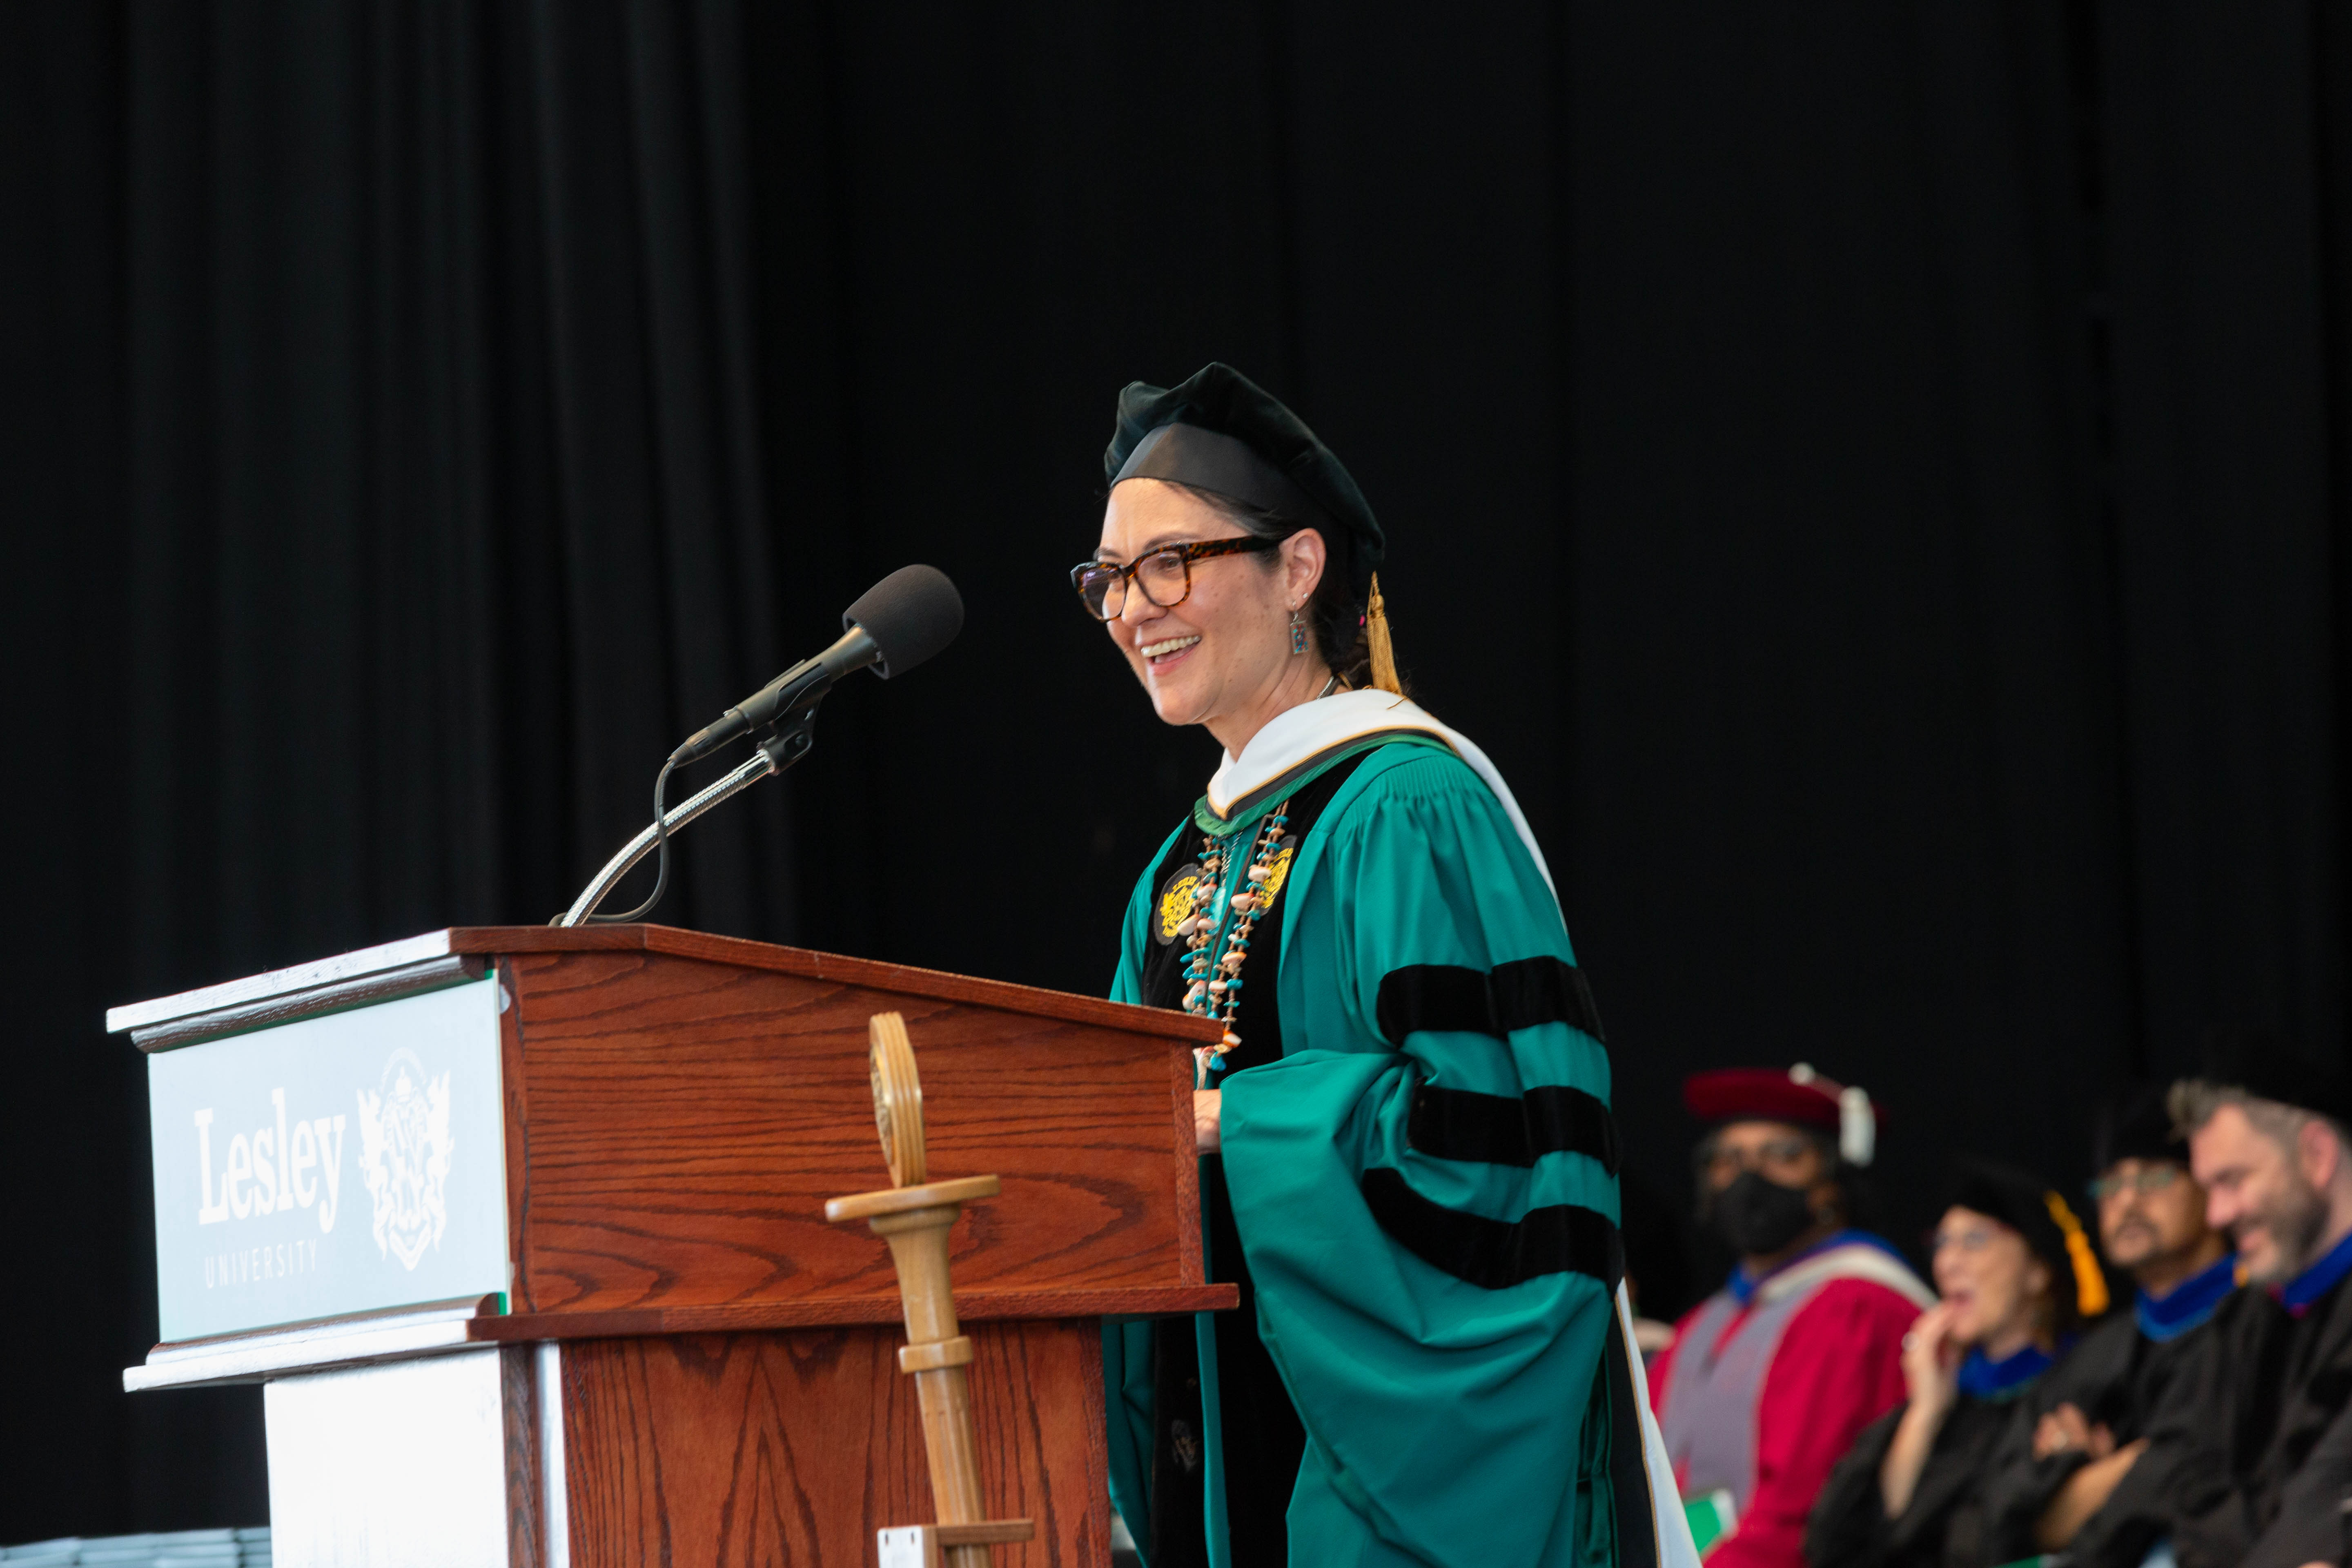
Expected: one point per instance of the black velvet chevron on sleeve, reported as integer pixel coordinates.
(1515, 995)
(1558, 1239)
(1549, 1118)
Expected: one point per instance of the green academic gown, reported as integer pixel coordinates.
(1423, 1187)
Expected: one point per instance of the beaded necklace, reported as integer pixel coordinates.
(1218, 948)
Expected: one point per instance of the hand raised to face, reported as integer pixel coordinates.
(1931, 1358)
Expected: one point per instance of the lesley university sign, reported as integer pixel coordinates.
(335, 1164)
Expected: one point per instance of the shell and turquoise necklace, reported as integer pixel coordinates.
(1212, 965)
(1218, 939)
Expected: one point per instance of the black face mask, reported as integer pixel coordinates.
(1759, 1217)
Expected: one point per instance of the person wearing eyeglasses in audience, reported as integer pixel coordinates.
(1766, 1383)
(2249, 1459)
(2093, 1409)
(2019, 1277)
(1408, 1157)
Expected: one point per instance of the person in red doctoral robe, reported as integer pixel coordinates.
(1766, 1383)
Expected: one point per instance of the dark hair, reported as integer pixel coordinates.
(1334, 614)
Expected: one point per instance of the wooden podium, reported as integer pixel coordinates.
(683, 1362)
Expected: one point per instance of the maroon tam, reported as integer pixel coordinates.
(1798, 1096)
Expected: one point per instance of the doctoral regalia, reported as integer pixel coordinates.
(1416, 1193)
(2250, 1457)
(1769, 1381)
(1946, 1525)
(2118, 1375)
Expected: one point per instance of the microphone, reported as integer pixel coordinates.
(895, 625)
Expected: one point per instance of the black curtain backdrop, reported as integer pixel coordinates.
(1872, 476)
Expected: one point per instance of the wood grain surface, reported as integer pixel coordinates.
(811, 1311)
(316, 985)
(518, 1408)
(517, 1109)
(796, 1446)
(683, 1121)
(679, 1109)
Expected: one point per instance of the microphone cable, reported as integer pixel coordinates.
(661, 843)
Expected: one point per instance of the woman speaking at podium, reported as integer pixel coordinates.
(1408, 1158)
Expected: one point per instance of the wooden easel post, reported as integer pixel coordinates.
(914, 1216)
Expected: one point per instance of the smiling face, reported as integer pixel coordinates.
(2257, 1191)
(1223, 656)
(1996, 1287)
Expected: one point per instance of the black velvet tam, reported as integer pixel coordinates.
(1304, 474)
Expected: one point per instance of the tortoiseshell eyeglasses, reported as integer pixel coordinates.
(1164, 574)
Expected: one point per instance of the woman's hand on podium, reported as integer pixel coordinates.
(1208, 1110)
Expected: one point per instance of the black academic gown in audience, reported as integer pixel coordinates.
(2119, 1377)
(2251, 1456)
(1946, 1525)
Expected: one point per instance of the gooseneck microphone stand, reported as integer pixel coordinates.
(895, 625)
(787, 743)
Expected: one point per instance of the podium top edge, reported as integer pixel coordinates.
(516, 941)
(352, 965)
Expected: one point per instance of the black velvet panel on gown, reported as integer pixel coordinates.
(1262, 1439)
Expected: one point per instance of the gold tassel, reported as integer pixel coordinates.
(2090, 1285)
(1376, 633)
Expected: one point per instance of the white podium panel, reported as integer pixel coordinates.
(429, 1463)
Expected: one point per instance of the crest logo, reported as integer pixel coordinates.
(404, 1148)
(1176, 901)
(1277, 870)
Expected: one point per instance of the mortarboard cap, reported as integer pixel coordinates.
(2259, 1062)
(2041, 1214)
(2135, 1123)
(1221, 432)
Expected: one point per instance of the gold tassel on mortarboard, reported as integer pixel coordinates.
(2090, 1285)
(1376, 633)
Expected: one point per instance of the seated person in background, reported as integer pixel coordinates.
(1765, 1384)
(2094, 1407)
(2251, 1454)
(2018, 1278)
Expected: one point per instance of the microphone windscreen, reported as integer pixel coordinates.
(910, 614)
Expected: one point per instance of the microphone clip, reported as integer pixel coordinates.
(786, 703)
(789, 737)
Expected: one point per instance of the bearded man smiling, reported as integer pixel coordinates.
(2251, 1453)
